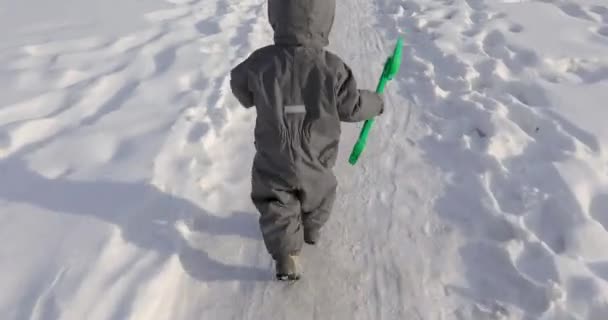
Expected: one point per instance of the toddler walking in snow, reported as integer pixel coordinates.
(301, 93)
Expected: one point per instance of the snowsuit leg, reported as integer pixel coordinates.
(280, 215)
(318, 197)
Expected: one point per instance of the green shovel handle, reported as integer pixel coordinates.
(391, 67)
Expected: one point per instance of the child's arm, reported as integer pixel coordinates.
(239, 85)
(355, 104)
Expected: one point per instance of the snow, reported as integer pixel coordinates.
(125, 162)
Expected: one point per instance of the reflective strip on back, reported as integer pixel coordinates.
(300, 108)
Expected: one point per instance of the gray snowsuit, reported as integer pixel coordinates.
(301, 93)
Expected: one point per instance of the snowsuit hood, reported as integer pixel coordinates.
(301, 22)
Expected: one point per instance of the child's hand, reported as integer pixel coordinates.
(382, 104)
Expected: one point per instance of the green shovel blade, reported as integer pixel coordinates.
(391, 67)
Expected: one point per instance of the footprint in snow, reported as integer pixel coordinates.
(208, 27)
(599, 209)
(516, 28)
(601, 11)
(576, 11)
(197, 132)
(603, 31)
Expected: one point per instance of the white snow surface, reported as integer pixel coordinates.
(125, 164)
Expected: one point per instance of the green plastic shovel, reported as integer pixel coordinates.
(391, 67)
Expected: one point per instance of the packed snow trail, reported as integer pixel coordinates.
(125, 165)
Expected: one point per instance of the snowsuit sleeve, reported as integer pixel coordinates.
(239, 84)
(355, 104)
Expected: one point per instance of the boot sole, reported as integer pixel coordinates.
(311, 242)
(288, 277)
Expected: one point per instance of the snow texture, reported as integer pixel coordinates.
(125, 164)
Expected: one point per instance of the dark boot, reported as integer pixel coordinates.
(311, 236)
(287, 268)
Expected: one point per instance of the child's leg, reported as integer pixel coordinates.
(280, 220)
(317, 203)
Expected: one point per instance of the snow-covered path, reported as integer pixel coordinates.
(511, 121)
(124, 165)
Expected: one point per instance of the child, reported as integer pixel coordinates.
(301, 93)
